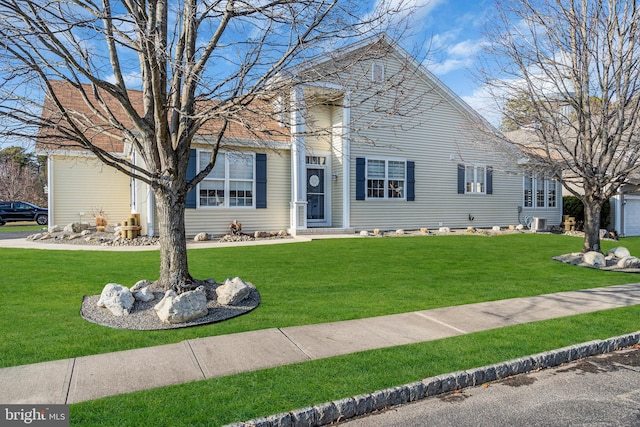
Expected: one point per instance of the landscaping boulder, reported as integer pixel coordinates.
(117, 299)
(629, 262)
(202, 237)
(144, 295)
(444, 230)
(619, 252)
(174, 308)
(232, 291)
(140, 284)
(76, 227)
(595, 259)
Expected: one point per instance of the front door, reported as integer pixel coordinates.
(317, 204)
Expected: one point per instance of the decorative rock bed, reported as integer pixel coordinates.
(83, 234)
(210, 303)
(617, 259)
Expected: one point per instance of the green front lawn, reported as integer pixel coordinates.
(303, 283)
(21, 226)
(300, 283)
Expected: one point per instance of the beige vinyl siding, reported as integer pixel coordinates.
(83, 184)
(275, 217)
(437, 138)
(319, 127)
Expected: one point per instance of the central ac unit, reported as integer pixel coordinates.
(539, 224)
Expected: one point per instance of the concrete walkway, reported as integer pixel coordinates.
(92, 377)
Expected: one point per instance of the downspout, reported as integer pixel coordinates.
(621, 215)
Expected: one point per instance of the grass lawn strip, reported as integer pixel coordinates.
(256, 394)
(305, 283)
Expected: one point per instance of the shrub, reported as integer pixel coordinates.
(572, 206)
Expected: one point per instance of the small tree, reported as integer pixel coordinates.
(575, 64)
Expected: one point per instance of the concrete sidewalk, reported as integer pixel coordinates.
(23, 243)
(92, 377)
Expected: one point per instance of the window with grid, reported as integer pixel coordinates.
(230, 183)
(386, 179)
(475, 177)
(540, 191)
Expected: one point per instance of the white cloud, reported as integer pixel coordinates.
(467, 48)
(451, 64)
(132, 80)
(484, 102)
(453, 57)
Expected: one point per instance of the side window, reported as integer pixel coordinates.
(539, 191)
(475, 179)
(386, 179)
(230, 183)
(382, 179)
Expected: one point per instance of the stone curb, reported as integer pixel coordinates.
(364, 404)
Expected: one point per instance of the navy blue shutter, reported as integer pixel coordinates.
(191, 172)
(411, 181)
(360, 172)
(489, 180)
(461, 170)
(261, 180)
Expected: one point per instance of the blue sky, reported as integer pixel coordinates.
(454, 29)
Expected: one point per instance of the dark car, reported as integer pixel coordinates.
(22, 211)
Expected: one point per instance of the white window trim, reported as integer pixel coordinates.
(227, 180)
(475, 179)
(534, 191)
(386, 161)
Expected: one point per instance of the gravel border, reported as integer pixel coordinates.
(365, 404)
(144, 318)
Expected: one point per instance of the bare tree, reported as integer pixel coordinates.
(201, 66)
(574, 63)
(19, 182)
(21, 176)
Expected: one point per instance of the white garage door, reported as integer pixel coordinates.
(632, 216)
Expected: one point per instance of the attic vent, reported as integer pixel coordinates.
(377, 72)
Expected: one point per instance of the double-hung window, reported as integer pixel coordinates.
(386, 179)
(230, 183)
(475, 177)
(540, 191)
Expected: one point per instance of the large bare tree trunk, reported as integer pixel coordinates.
(174, 269)
(592, 213)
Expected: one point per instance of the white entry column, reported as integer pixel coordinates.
(298, 214)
